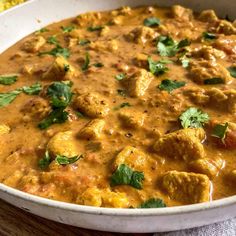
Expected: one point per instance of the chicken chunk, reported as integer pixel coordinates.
(4, 129)
(208, 16)
(91, 197)
(207, 52)
(132, 157)
(93, 129)
(182, 144)
(224, 27)
(88, 18)
(34, 44)
(141, 60)
(61, 69)
(225, 100)
(92, 105)
(108, 45)
(231, 101)
(131, 119)
(103, 197)
(138, 83)
(182, 13)
(209, 167)
(186, 187)
(63, 143)
(36, 108)
(202, 71)
(114, 199)
(142, 35)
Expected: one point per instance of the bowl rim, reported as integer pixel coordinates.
(136, 212)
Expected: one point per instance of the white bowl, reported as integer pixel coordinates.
(26, 18)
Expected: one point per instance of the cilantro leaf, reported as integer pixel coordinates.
(8, 79)
(45, 161)
(41, 31)
(137, 179)
(52, 40)
(219, 131)
(57, 51)
(98, 64)
(208, 36)
(86, 62)
(7, 98)
(151, 21)
(60, 94)
(63, 160)
(57, 116)
(153, 203)
(95, 28)
(194, 118)
(67, 29)
(125, 104)
(170, 85)
(166, 46)
(157, 67)
(83, 42)
(215, 80)
(126, 176)
(232, 71)
(33, 89)
(120, 76)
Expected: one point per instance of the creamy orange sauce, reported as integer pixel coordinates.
(132, 112)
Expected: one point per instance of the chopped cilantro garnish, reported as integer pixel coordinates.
(125, 104)
(157, 67)
(214, 81)
(64, 160)
(193, 118)
(219, 131)
(83, 42)
(57, 116)
(98, 64)
(67, 29)
(124, 175)
(120, 76)
(86, 62)
(52, 40)
(151, 21)
(170, 85)
(95, 28)
(166, 46)
(33, 89)
(57, 51)
(45, 161)
(208, 36)
(60, 94)
(153, 203)
(9, 97)
(122, 105)
(8, 79)
(41, 31)
(232, 71)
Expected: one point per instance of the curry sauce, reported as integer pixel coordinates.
(125, 108)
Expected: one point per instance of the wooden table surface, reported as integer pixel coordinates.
(14, 221)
